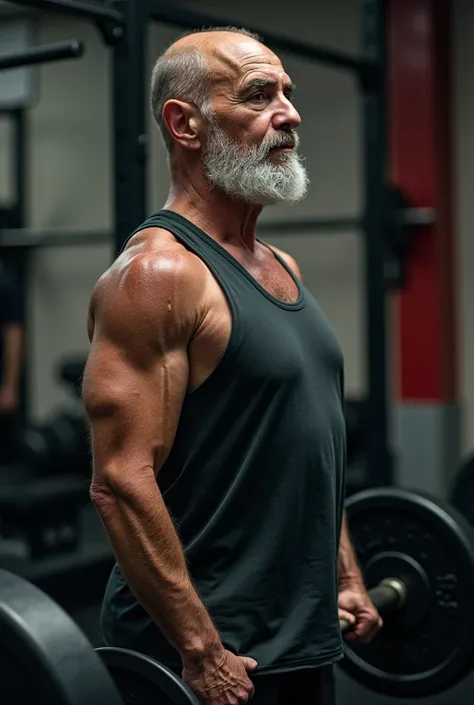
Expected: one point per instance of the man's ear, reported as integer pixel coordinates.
(183, 123)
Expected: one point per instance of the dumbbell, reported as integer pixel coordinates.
(70, 371)
(57, 445)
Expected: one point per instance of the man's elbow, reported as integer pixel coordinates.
(102, 492)
(118, 481)
(109, 480)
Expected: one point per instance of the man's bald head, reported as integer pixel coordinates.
(210, 39)
(186, 69)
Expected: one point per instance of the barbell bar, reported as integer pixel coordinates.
(388, 596)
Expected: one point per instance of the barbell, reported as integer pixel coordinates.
(417, 557)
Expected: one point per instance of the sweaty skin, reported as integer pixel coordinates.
(158, 325)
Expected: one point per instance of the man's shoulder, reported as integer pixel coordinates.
(154, 270)
(153, 256)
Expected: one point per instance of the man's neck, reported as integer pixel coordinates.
(226, 220)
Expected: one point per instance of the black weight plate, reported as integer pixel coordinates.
(44, 656)
(142, 680)
(432, 648)
(461, 492)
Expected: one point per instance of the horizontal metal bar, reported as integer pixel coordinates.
(309, 226)
(186, 19)
(57, 237)
(64, 237)
(78, 8)
(408, 217)
(41, 55)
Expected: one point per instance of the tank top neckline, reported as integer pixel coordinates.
(289, 305)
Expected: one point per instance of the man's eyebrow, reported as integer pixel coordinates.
(259, 83)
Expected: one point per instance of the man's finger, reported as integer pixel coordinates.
(366, 630)
(347, 616)
(249, 663)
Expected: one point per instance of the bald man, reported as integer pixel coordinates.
(214, 388)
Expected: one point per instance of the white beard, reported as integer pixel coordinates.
(250, 174)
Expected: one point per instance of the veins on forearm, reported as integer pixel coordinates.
(348, 567)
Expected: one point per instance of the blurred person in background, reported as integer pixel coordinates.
(11, 358)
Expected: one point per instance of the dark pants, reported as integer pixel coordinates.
(310, 686)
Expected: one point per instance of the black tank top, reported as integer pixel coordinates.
(255, 479)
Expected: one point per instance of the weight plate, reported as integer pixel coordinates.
(143, 681)
(428, 646)
(461, 493)
(44, 656)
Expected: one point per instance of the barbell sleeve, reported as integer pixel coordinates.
(389, 595)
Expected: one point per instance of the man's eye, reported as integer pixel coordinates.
(258, 97)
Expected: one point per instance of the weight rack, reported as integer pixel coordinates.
(123, 25)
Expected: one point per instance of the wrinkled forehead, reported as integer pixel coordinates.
(234, 64)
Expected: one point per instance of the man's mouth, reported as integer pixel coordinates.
(282, 148)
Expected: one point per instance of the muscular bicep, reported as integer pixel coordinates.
(133, 407)
(137, 372)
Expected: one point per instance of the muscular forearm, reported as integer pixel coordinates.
(151, 558)
(348, 567)
(13, 345)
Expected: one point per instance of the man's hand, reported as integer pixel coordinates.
(9, 401)
(357, 608)
(226, 683)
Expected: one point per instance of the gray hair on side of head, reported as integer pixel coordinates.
(184, 75)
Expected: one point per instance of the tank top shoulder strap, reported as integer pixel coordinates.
(237, 283)
(168, 220)
(208, 251)
(219, 262)
(184, 230)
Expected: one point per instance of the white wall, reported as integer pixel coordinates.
(70, 158)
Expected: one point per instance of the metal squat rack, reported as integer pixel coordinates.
(123, 26)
